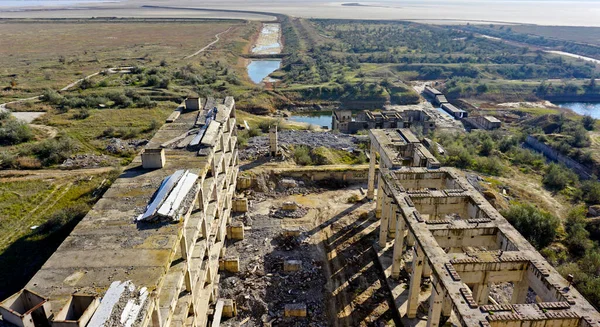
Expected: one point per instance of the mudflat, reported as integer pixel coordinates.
(564, 13)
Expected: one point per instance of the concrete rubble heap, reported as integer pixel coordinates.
(148, 253)
(434, 225)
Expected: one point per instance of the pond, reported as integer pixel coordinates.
(321, 118)
(259, 69)
(583, 108)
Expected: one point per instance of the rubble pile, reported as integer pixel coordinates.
(88, 161)
(263, 288)
(119, 146)
(259, 146)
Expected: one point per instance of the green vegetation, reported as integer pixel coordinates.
(537, 226)
(13, 131)
(54, 204)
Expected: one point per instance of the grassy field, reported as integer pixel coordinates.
(37, 212)
(36, 55)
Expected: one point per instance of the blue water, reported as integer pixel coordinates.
(583, 108)
(33, 3)
(318, 119)
(259, 69)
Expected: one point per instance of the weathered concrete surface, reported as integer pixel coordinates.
(460, 245)
(165, 258)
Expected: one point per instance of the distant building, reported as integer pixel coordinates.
(485, 122)
(431, 92)
(396, 117)
(454, 111)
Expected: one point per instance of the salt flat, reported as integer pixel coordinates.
(553, 12)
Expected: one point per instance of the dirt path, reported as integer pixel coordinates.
(217, 39)
(51, 132)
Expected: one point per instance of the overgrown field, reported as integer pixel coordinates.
(36, 55)
(37, 211)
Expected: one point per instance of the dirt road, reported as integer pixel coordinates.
(217, 39)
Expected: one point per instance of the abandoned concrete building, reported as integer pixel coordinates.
(149, 252)
(435, 226)
(439, 99)
(484, 122)
(392, 117)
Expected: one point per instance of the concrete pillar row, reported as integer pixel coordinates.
(398, 245)
(385, 217)
(371, 180)
(415, 283)
(436, 302)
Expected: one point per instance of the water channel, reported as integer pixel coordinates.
(268, 43)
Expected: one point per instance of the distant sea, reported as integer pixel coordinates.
(35, 3)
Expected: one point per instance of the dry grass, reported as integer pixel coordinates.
(36, 55)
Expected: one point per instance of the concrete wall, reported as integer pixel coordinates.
(554, 155)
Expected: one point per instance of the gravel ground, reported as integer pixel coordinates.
(258, 146)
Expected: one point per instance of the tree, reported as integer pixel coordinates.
(588, 122)
(537, 226)
(577, 239)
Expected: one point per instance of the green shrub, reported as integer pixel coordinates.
(302, 155)
(54, 151)
(489, 165)
(7, 160)
(537, 226)
(577, 239)
(558, 177)
(82, 114)
(588, 122)
(591, 192)
(13, 131)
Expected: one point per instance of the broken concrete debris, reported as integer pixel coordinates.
(295, 310)
(121, 305)
(169, 201)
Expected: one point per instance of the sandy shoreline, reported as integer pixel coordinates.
(565, 13)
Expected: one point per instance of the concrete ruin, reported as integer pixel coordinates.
(484, 122)
(435, 226)
(151, 271)
(393, 117)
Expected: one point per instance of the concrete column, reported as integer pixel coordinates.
(398, 246)
(273, 146)
(481, 293)
(383, 226)
(392, 220)
(379, 202)
(426, 269)
(415, 283)
(156, 318)
(184, 249)
(447, 306)
(520, 290)
(436, 301)
(188, 280)
(410, 240)
(371, 187)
